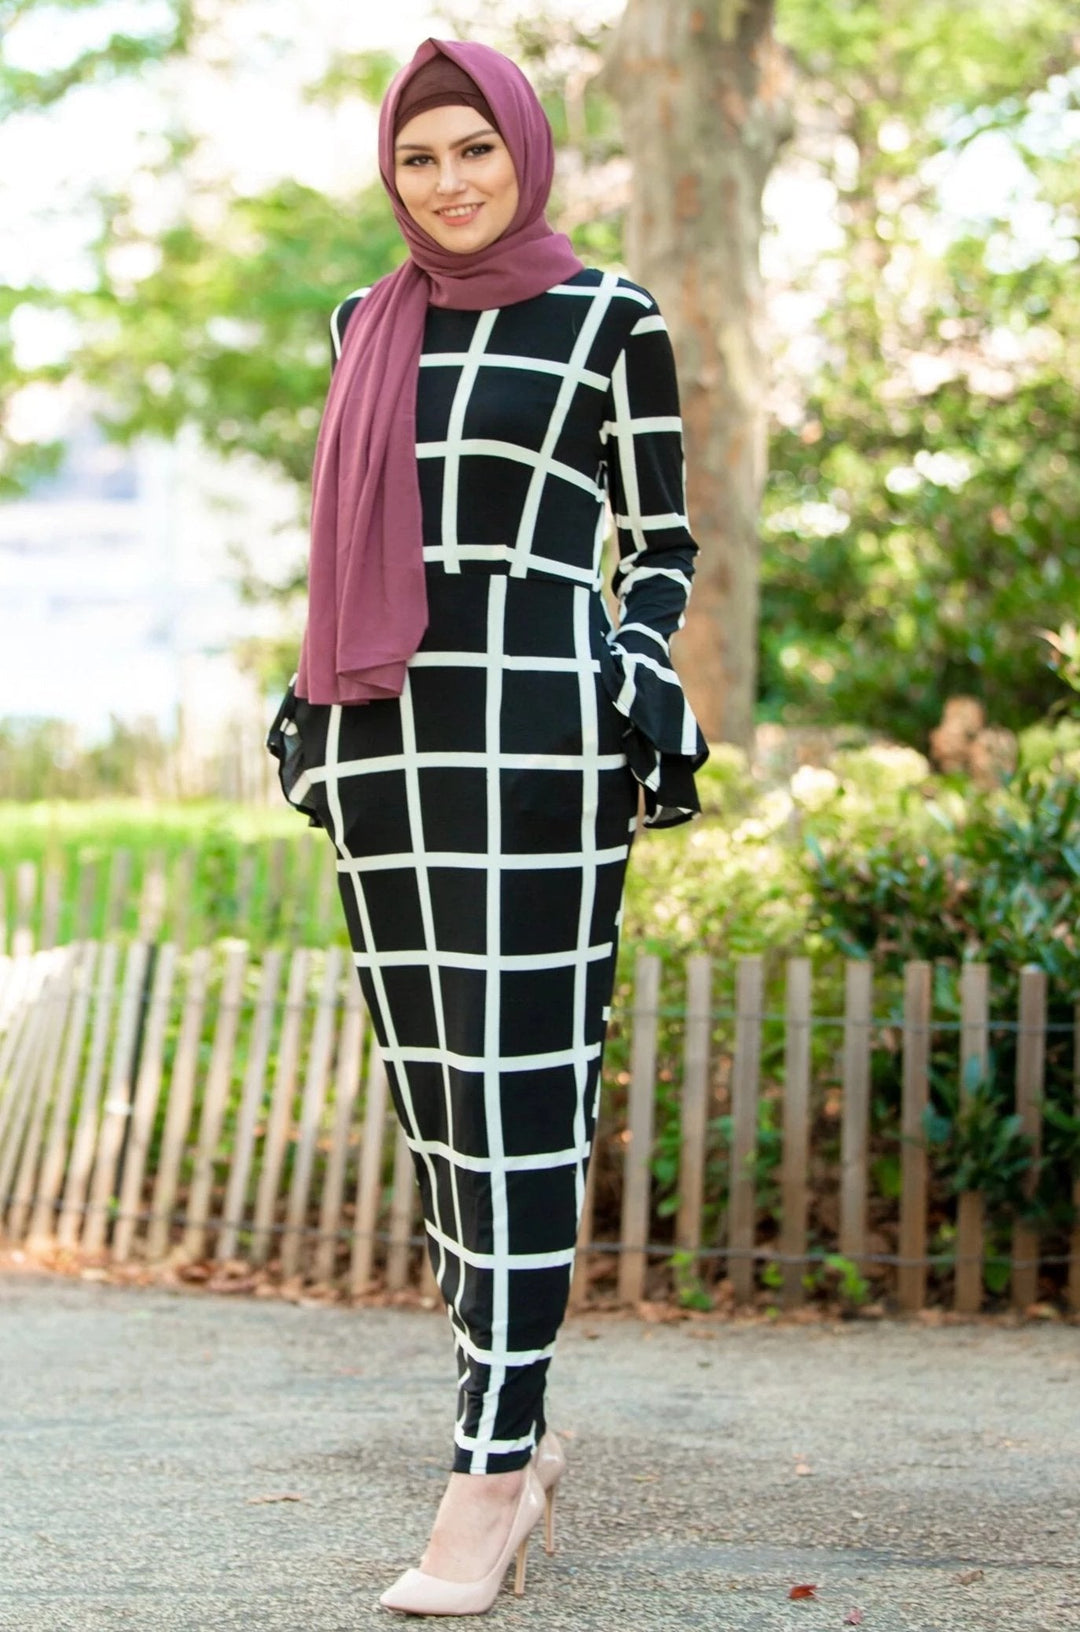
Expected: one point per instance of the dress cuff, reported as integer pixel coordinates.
(663, 742)
(286, 744)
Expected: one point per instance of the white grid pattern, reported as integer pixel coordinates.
(590, 798)
(452, 450)
(420, 869)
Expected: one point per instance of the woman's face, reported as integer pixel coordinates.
(455, 176)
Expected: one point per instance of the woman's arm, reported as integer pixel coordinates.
(646, 487)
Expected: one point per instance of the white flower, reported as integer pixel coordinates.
(813, 785)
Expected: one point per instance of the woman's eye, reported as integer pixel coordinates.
(479, 149)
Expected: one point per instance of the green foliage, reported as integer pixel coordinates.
(922, 510)
(926, 57)
(975, 1147)
(230, 333)
(44, 759)
(1064, 646)
(265, 861)
(170, 31)
(920, 593)
(172, 27)
(355, 73)
(996, 878)
(844, 1278)
(690, 1293)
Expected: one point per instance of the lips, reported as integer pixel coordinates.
(468, 213)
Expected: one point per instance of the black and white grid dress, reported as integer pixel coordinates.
(483, 820)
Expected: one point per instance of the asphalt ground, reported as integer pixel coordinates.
(178, 1460)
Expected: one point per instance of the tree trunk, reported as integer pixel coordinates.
(704, 94)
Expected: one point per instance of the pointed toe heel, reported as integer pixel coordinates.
(415, 1593)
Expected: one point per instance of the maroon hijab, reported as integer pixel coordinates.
(367, 605)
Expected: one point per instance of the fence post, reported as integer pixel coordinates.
(43, 1223)
(695, 1104)
(1030, 1063)
(637, 1161)
(215, 1095)
(145, 1104)
(911, 1276)
(795, 1157)
(745, 1073)
(312, 1102)
(281, 1106)
(71, 1217)
(117, 1107)
(974, 1058)
(346, 1088)
(56, 998)
(855, 1125)
(250, 1105)
(402, 1208)
(20, 1039)
(181, 1097)
(369, 1173)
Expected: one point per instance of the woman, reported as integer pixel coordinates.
(473, 735)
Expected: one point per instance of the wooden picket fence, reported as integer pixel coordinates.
(211, 1108)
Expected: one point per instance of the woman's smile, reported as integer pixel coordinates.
(460, 212)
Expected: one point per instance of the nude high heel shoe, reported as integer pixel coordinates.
(415, 1593)
(549, 1463)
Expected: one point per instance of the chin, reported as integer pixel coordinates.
(461, 245)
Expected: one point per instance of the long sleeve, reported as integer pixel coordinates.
(646, 487)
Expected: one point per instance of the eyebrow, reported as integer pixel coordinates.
(425, 147)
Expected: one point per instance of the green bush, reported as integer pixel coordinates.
(994, 878)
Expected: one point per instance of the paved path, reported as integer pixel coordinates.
(138, 1428)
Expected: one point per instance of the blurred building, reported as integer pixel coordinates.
(119, 588)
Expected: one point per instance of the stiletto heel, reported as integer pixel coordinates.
(415, 1593)
(519, 1573)
(549, 1463)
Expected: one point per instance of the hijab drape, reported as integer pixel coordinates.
(367, 605)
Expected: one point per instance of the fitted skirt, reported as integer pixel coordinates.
(482, 824)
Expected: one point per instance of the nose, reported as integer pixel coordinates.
(450, 177)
